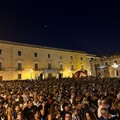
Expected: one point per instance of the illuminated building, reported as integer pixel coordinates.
(27, 61)
(106, 66)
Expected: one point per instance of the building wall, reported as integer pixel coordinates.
(10, 59)
(104, 66)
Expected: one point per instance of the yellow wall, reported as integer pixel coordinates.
(10, 58)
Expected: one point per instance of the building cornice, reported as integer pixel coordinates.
(38, 46)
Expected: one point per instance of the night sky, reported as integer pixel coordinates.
(91, 27)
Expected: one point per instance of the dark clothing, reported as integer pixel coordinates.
(14, 114)
(54, 119)
(2, 113)
(81, 113)
(28, 113)
(46, 111)
(102, 118)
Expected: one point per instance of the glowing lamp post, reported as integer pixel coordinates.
(115, 66)
(31, 71)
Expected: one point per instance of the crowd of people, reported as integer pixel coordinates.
(60, 99)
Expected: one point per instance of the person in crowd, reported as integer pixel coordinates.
(15, 111)
(89, 115)
(53, 108)
(104, 104)
(80, 110)
(66, 109)
(28, 111)
(75, 115)
(68, 116)
(104, 114)
(37, 115)
(57, 115)
(20, 116)
(9, 112)
(3, 114)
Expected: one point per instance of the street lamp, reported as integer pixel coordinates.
(31, 71)
(115, 66)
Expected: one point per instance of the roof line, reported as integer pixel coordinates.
(38, 46)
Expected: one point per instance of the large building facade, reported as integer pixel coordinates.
(106, 66)
(25, 61)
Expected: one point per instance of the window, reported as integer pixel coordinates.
(60, 75)
(19, 66)
(60, 57)
(82, 67)
(98, 65)
(0, 66)
(35, 54)
(36, 66)
(48, 55)
(117, 72)
(0, 78)
(72, 67)
(0, 51)
(49, 65)
(19, 76)
(19, 53)
(106, 63)
(61, 66)
(71, 57)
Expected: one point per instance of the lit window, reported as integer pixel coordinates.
(82, 67)
(49, 65)
(19, 66)
(61, 66)
(19, 76)
(72, 67)
(36, 66)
